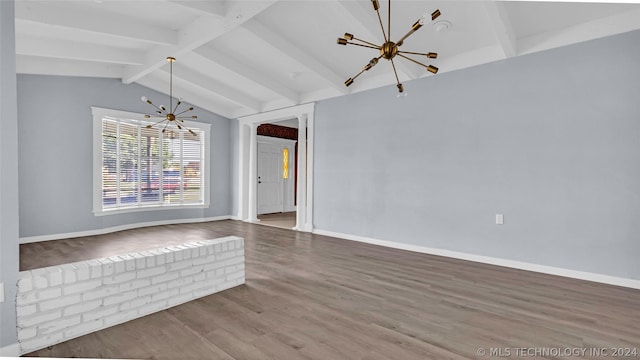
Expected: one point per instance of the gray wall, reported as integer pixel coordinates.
(55, 154)
(551, 140)
(9, 251)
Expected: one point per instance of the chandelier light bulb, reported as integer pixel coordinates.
(144, 99)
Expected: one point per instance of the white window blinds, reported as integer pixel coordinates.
(144, 167)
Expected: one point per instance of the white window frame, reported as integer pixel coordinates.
(98, 210)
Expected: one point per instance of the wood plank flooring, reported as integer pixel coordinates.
(315, 297)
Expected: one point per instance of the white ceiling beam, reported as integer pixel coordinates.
(287, 48)
(61, 49)
(366, 27)
(594, 29)
(205, 29)
(199, 100)
(44, 66)
(207, 54)
(208, 84)
(94, 22)
(217, 8)
(499, 18)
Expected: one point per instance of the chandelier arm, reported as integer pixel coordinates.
(363, 45)
(152, 125)
(184, 111)
(157, 107)
(413, 53)
(165, 126)
(176, 108)
(429, 67)
(402, 39)
(384, 34)
(395, 72)
(366, 42)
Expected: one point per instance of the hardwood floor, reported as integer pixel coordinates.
(286, 220)
(315, 297)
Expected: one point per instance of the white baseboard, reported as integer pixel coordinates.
(12, 350)
(32, 239)
(582, 275)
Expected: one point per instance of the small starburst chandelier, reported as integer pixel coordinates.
(390, 49)
(168, 115)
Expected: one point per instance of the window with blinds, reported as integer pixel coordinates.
(143, 167)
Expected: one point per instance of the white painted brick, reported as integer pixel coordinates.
(150, 260)
(60, 324)
(136, 284)
(82, 329)
(40, 342)
(225, 255)
(26, 298)
(82, 286)
(83, 270)
(151, 272)
(179, 300)
(165, 277)
(205, 291)
(232, 245)
(158, 255)
(119, 278)
(82, 307)
(40, 282)
(164, 295)
(152, 289)
(25, 284)
(107, 266)
(224, 286)
(236, 275)
(178, 265)
(96, 268)
(100, 292)
(204, 260)
(199, 276)
(191, 287)
(99, 313)
(217, 248)
(177, 254)
(38, 318)
(26, 310)
(49, 293)
(118, 298)
(192, 270)
(140, 260)
(69, 273)
(213, 265)
(129, 262)
(27, 333)
(137, 302)
(59, 302)
(224, 246)
(179, 282)
(118, 264)
(120, 317)
(55, 276)
(168, 256)
(152, 307)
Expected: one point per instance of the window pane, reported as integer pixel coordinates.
(109, 163)
(144, 166)
(192, 182)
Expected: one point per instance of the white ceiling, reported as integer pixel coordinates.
(240, 57)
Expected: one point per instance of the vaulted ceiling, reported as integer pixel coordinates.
(240, 57)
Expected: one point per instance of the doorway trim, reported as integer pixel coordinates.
(247, 171)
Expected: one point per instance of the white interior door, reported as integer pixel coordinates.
(270, 199)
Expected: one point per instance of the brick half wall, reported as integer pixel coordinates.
(58, 303)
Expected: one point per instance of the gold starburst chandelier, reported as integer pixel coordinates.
(389, 49)
(168, 115)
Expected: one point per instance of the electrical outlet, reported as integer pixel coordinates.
(1, 292)
(499, 219)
